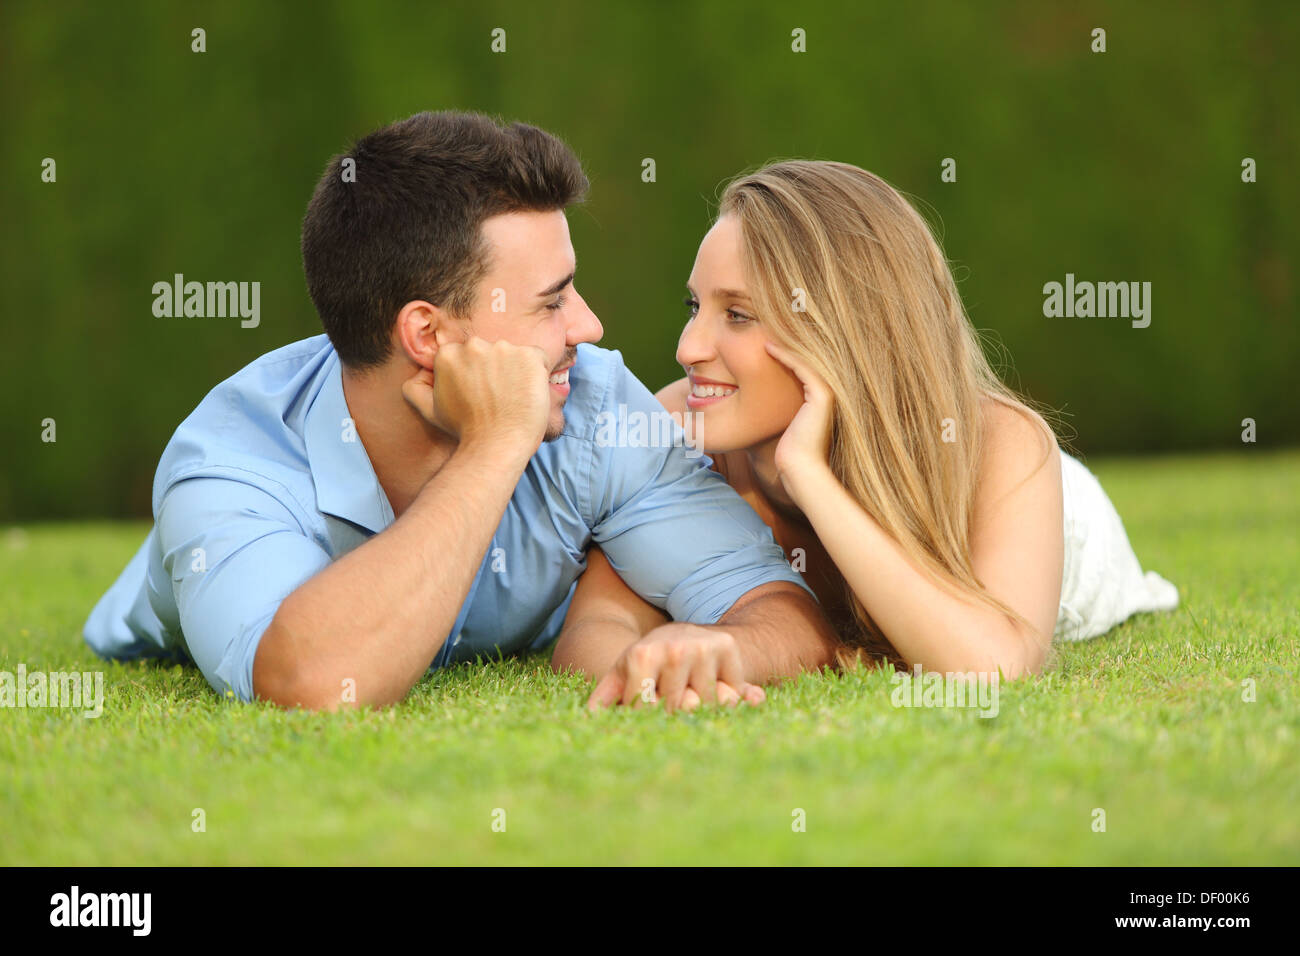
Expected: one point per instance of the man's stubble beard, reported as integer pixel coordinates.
(570, 358)
(552, 435)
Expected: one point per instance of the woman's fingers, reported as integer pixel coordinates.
(727, 695)
(786, 358)
(731, 671)
(610, 689)
(607, 692)
(811, 381)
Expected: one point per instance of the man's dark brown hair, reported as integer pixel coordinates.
(409, 226)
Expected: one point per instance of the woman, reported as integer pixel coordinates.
(834, 378)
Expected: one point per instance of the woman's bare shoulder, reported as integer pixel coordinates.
(1018, 443)
(673, 395)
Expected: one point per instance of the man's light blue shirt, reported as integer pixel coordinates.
(266, 483)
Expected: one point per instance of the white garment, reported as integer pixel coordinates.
(1102, 583)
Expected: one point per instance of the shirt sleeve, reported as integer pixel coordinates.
(233, 552)
(672, 528)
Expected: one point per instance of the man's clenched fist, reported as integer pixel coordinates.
(480, 390)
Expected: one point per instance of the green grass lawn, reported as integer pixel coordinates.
(1147, 723)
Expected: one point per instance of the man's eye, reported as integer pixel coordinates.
(557, 305)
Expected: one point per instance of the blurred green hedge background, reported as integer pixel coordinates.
(1115, 166)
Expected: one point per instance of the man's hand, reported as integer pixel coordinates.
(484, 390)
(681, 664)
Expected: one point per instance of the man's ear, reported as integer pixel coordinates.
(422, 328)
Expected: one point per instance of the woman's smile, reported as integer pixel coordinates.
(706, 391)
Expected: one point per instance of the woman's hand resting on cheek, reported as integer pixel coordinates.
(682, 665)
(805, 446)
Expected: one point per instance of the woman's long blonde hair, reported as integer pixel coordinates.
(846, 274)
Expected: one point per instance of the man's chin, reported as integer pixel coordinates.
(554, 429)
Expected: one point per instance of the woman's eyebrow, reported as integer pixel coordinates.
(729, 294)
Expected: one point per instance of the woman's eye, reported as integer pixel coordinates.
(692, 305)
(738, 318)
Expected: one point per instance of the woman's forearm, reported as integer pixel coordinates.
(591, 645)
(924, 622)
(604, 618)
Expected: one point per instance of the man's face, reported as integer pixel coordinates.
(527, 296)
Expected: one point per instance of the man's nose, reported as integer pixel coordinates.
(583, 326)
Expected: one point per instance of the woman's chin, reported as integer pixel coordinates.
(714, 448)
(718, 434)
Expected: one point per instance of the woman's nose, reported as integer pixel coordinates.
(695, 345)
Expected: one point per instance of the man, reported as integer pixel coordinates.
(418, 485)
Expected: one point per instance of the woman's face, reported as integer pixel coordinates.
(740, 396)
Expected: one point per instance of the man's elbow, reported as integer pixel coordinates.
(293, 693)
(281, 680)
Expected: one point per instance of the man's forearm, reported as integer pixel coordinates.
(781, 632)
(379, 615)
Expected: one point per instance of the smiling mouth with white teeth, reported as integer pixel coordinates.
(559, 381)
(703, 394)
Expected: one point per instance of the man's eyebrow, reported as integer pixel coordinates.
(557, 286)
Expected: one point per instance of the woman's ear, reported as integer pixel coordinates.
(423, 328)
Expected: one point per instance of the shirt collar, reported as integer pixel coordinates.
(346, 485)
